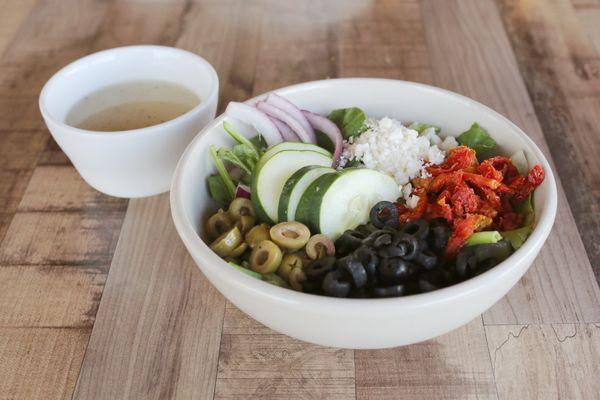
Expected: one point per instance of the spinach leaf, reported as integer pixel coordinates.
(259, 143)
(228, 155)
(227, 182)
(246, 154)
(351, 121)
(324, 141)
(517, 237)
(479, 140)
(218, 190)
(241, 139)
(420, 127)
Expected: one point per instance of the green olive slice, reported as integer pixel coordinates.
(319, 246)
(289, 261)
(240, 207)
(290, 235)
(257, 234)
(239, 250)
(245, 223)
(218, 224)
(265, 257)
(225, 244)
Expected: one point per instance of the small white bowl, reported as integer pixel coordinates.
(137, 162)
(363, 323)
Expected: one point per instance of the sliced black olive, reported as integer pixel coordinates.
(384, 213)
(473, 260)
(316, 270)
(369, 260)
(418, 228)
(366, 229)
(370, 239)
(348, 242)
(427, 259)
(383, 240)
(336, 283)
(438, 237)
(396, 270)
(403, 245)
(355, 270)
(390, 291)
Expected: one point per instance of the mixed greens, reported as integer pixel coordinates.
(298, 212)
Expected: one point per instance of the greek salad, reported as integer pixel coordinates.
(349, 205)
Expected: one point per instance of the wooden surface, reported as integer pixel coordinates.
(99, 299)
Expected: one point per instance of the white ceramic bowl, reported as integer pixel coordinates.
(138, 162)
(363, 323)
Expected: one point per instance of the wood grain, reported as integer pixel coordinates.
(40, 363)
(158, 327)
(160, 330)
(560, 286)
(50, 296)
(554, 361)
(550, 42)
(452, 366)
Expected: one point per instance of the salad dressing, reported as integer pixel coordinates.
(131, 105)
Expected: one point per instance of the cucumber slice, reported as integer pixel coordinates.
(286, 146)
(338, 201)
(272, 174)
(294, 188)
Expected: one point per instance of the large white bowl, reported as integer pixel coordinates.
(363, 323)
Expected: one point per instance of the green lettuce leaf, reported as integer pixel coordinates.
(517, 237)
(420, 127)
(479, 140)
(351, 121)
(218, 190)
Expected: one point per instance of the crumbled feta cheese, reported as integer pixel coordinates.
(388, 146)
(448, 143)
(412, 201)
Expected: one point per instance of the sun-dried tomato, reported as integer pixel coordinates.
(463, 228)
(523, 186)
(500, 164)
(409, 214)
(464, 200)
(458, 158)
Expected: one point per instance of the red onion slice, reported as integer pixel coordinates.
(324, 125)
(257, 119)
(242, 191)
(286, 132)
(303, 134)
(290, 108)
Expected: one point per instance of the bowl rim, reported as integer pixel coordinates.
(241, 281)
(157, 129)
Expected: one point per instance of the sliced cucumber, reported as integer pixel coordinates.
(286, 146)
(272, 174)
(338, 201)
(294, 188)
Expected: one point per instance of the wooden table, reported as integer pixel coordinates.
(99, 299)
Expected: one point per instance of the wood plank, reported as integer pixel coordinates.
(60, 188)
(273, 366)
(12, 13)
(40, 363)
(550, 42)
(588, 18)
(370, 43)
(560, 286)
(453, 366)
(158, 327)
(38, 238)
(50, 296)
(554, 361)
